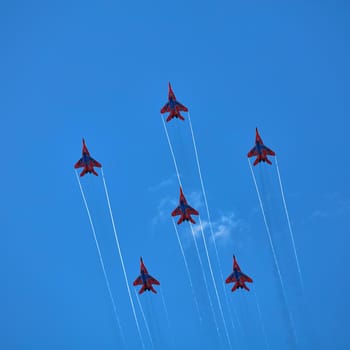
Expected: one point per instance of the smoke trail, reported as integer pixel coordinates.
(165, 308)
(204, 195)
(214, 283)
(188, 271)
(101, 260)
(144, 319)
(209, 219)
(171, 150)
(121, 259)
(290, 226)
(205, 282)
(177, 233)
(167, 318)
(274, 254)
(178, 176)
(261, 320)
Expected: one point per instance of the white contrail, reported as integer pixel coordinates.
(188, 270)
(165, 308)
(144, 319)
(101, 259)
(273, 250)
(204, 194)
(177, 233)
(214, 283)
(289, 225)
(237, 318)
(209, 219)
(167, 317)
(205, 281)
(178, 176)
(121, 259)
(171, 150)
(267, 229)
(261, 320)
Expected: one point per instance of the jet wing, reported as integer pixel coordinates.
(177, 212)
(192, 211)
(181, 107)
(269, 151)
(253, 152)
(231, 279)
(152, 280)
(245, 278)
(79, 164)
(96, 163)
(138, 281)
(166, 108)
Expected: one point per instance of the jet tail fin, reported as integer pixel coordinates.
(235, 287)
(170, 116)
(181, 219)
(181, 117)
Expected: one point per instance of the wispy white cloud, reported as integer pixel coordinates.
(338, 206)
(224, 228)
(164, 208)
(317, 213)
(195, 199)
(163, 184)
(226, 225)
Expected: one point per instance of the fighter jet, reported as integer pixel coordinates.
(260, 151)
(145, 280)
(173, 107)
(237, 277)
(184, 210)
(87, 162)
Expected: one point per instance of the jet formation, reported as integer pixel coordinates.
(184, 210)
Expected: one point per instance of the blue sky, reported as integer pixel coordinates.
(99, 70)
